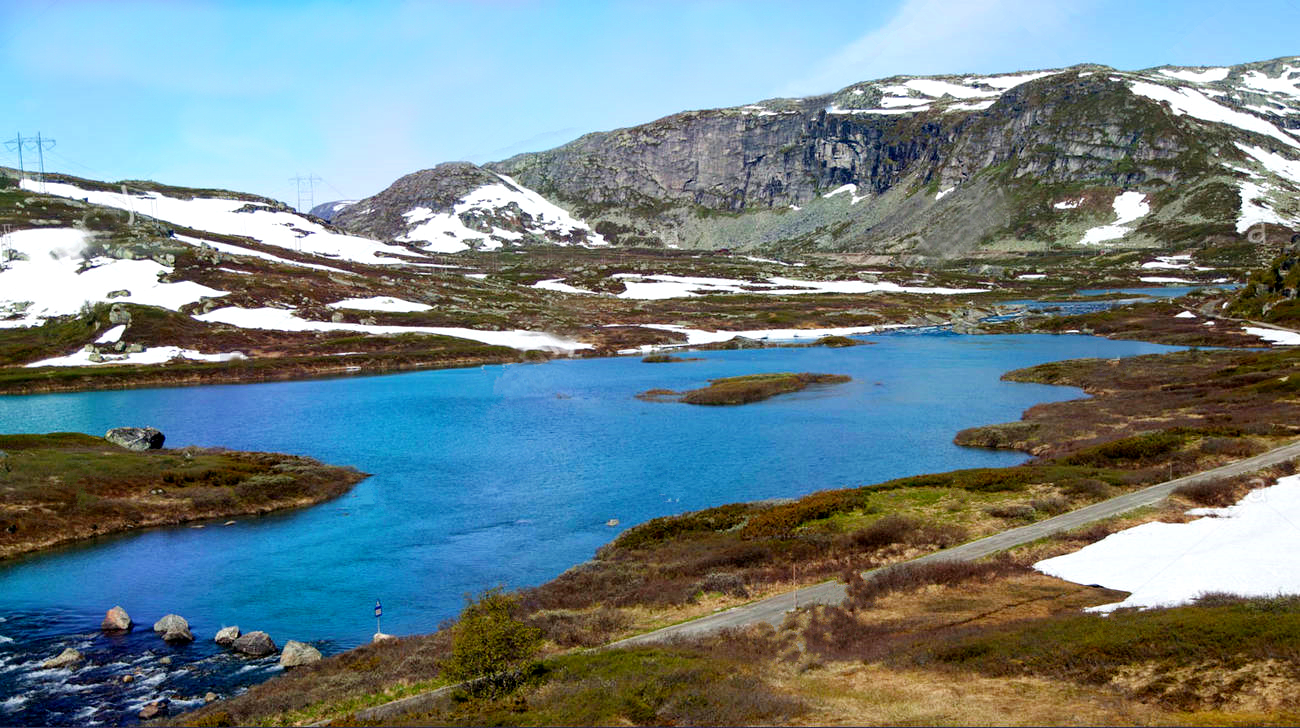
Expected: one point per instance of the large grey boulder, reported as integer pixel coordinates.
(174, 628)
(67, 658)
(257, 644)
(116, 620)
(119, 315)
(226, 636)
(136, 438)
(296, 654)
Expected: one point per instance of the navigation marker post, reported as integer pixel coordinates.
(379, 612)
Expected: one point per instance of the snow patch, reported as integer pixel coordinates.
(53, 280)
(1245, 549)
(1128, 206)
(1274, 336)
(152, 355)
(558, 284)
(659, 287)
(1285, 83)
(1195, 104)
(1068, 204)
(112, 336)
(943, 193)
(1209, 75)
(851, 189)
(1185, 315)
(381, 303)
(276, 319)
(259, 221)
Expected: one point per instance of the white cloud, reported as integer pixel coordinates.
(947, 36)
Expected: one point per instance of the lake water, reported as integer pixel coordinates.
(495, 475)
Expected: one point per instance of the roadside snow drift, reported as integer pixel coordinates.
(1246, 549)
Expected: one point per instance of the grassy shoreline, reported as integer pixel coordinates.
(63, 488)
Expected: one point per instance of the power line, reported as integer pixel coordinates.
(309, 184)
(37, 144)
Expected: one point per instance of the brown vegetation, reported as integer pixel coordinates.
(65, 487)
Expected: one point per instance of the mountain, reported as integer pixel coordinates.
(931, 167)
(458, 206)
(327, 210)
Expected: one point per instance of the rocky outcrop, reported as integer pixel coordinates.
(174, 628)
(226, 636)
(156, 709)
(68, 658)
(256, 644)
(439, 189)
(116, 620)
(136, 438)
(297, 654)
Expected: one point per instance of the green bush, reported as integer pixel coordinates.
(490, 640)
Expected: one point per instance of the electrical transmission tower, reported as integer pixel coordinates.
(36, 144)
(306, 190)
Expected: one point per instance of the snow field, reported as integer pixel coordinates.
(1246, 549)
(152, 355)
(276, 319)
(49, 280)
(659, 287)
(282, 229)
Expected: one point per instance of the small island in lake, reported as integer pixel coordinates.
(744, 389)
(67, 486)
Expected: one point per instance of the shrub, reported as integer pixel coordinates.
(726, 582)
(1233, 446)
(886, 531)
(1137, 449)
(910, 576)
(1011, 510)
(1052, 504)
(1214, 493)
(489, 639)
(1089, 488)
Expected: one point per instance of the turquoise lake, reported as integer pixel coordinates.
(495, 475)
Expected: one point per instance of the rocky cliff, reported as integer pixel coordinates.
(936, 166)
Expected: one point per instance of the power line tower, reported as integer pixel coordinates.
(36, 144)
(306, 190)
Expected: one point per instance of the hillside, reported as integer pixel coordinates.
(1074, 159)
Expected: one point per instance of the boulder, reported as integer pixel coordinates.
(226, 636)
(119, 315)
(116, 620)
(156, 709)
(174, 628)
(257, 644)
(170, 622)
(67, 658)
(296, 654)
(381, 637)
(209, 697)
(136, 438)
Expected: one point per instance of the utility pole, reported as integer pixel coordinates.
(38, 144)
(5, 245)
(309, 183)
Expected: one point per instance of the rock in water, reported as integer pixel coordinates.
(226, 636)
(155, 709)
(174, 628)
(298, 653)
(170, 622)
(67, 658)
(257, 644)
(116, 620)
(136, 438)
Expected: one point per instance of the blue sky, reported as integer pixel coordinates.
(244, 95)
